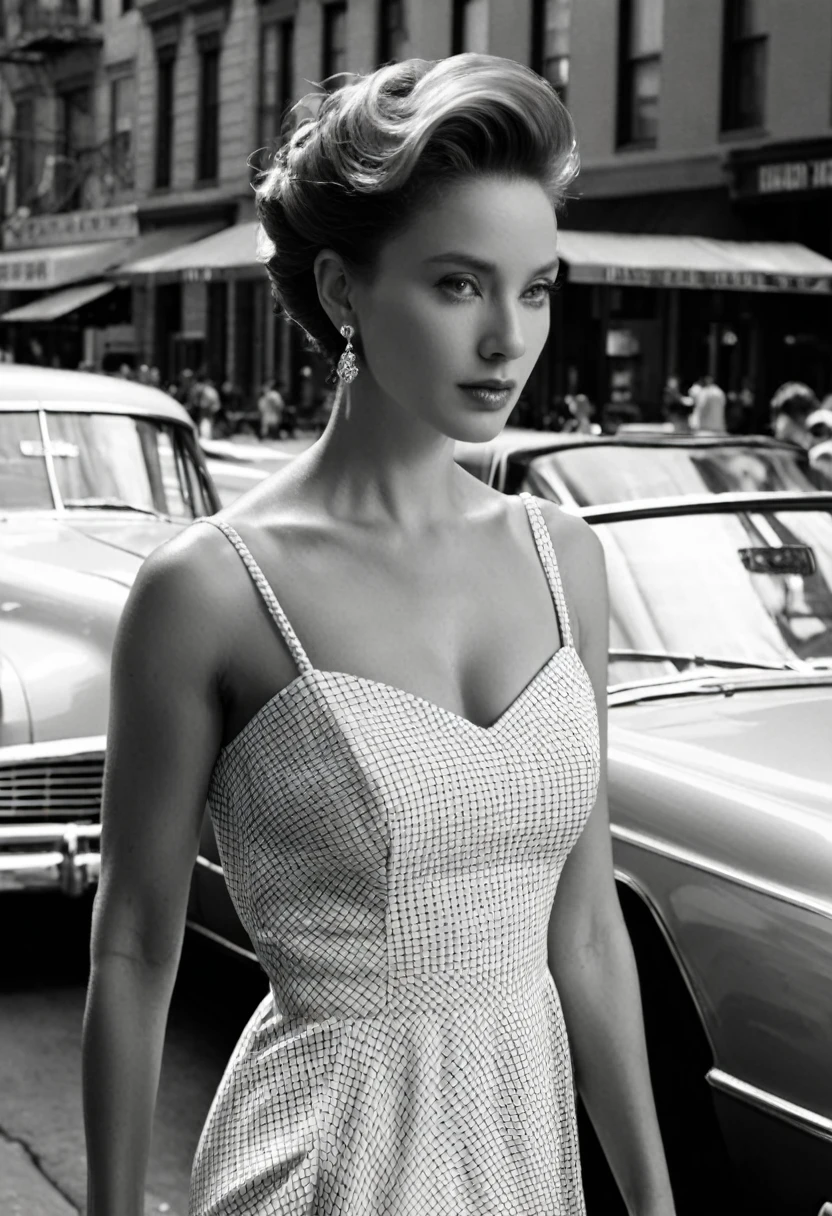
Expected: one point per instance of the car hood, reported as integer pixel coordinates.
(104, 547)
(62, 591)
(742, 780)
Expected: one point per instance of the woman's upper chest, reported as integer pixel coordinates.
(463, 620)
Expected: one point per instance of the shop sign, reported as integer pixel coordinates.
(757, 175)
(726, 280)
(33, 272)
(795, 175)
(73, 228)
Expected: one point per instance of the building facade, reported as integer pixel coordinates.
(698, 238)
(711, 122)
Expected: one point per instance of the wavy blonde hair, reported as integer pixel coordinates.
(353, 175)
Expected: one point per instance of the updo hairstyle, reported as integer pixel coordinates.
(387, 144)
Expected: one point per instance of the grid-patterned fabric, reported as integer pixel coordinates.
(395, 866)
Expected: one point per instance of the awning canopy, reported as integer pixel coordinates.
(648, 260)
(58, 265)
(230, 253)
(60, 303)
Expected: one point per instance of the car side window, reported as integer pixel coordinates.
(24, 482)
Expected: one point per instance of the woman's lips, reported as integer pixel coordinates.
(492, 399)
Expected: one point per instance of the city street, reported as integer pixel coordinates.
(42, 994)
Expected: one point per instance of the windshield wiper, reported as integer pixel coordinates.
(111, 504)
(699, 660)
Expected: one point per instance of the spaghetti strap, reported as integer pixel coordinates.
(546, 552)
(280, 618)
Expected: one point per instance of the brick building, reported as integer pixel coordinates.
(699, 238)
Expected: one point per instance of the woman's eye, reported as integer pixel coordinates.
(465, 282)
(544, 290)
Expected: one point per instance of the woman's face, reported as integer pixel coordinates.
(432, 320)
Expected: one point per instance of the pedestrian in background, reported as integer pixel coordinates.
(270, 407)
(791, 405)
(709, 403)
(581, 412)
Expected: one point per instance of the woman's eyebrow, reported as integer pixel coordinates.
(479, 264)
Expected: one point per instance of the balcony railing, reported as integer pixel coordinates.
(49, 26)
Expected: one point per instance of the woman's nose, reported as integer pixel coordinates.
(504, 337)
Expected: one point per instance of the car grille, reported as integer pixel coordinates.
(62, 789)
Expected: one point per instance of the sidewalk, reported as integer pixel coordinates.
(24, 1190)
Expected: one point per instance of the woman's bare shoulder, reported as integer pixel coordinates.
(580, 557)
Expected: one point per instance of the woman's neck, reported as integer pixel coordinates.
(378, 465)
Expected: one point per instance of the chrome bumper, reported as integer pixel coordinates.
(49, 856)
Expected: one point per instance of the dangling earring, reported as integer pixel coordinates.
(347, 366)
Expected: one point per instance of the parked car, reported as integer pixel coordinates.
(236, 467)
(589, 470)
(578, 470)
(95, 472)
(720, 790)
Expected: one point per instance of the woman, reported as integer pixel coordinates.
(389, 681)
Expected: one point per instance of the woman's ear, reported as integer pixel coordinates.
(333, 288)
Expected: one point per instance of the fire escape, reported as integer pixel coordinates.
(41, 41)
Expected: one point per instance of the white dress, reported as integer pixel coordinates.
(395, 866)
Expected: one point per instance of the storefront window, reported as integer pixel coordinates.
(165, 67)
(640, 41)
(122, 97)
(470, 31)
(745, 55)
(276, 86)
(209, 112)
(392, 31)
(550, 42)
(335, 39)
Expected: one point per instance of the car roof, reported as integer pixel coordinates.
(22, 384)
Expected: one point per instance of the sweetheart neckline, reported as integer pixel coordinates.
(401, 692)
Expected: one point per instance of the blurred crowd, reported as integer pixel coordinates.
(219, 411)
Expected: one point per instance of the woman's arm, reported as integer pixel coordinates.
(590, 954)
(163, 737)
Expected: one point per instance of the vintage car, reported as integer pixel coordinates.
(95, 472)
(720, 787)
(577, 470)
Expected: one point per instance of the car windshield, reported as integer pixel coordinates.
(719, 586)
(101, 460)
(606, 473)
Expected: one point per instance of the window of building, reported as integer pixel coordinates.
(165, 76)
(551, 22)
(122, 101)
(470, 28)
(744, 62)
(276, 80)
(335, 39)
(209, 111)
(25, 161)
(640, 65)
(392, 40)
(126, 6)
(74, 143)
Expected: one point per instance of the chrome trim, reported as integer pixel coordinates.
(688, 857)
(223, 941)
(50, 465)
(27, 753)
(652, 907)
(63, 857)
(799, 1116)
(709, 504)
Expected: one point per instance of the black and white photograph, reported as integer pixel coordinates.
(416, 607)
